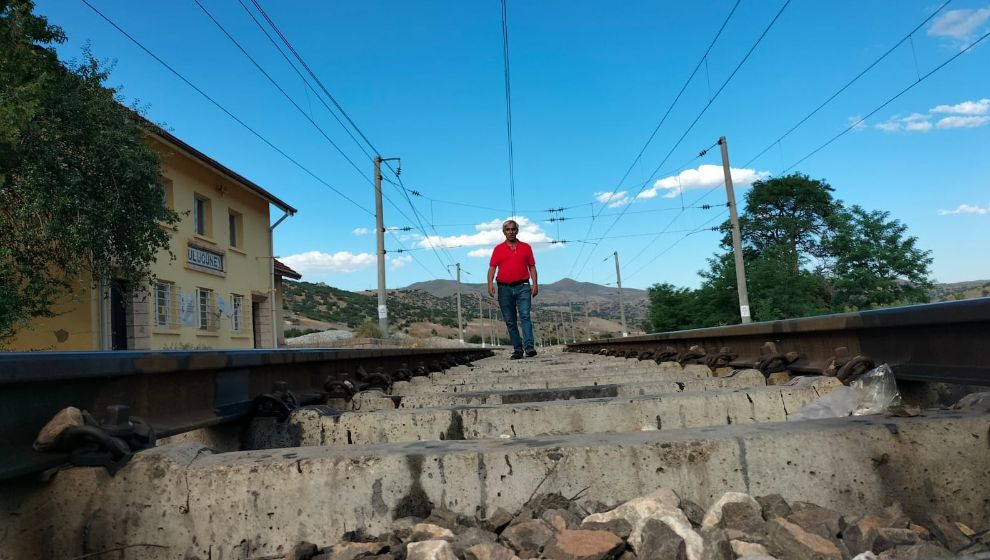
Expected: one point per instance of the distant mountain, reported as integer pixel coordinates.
(435, 303)
(599, 301)
(960, 290)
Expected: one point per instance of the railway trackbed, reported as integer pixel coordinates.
(262, 450)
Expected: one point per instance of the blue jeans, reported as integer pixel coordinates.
(510, 299)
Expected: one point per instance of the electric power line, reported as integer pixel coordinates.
(508, 106)
(224, 109)
(705, 108)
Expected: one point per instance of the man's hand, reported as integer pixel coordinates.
(491, 289)
(534, 289)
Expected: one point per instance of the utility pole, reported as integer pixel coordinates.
(380, 237)
(736, 237)
(460, 322)
(618, 282)
(587, 317)
(570, 309)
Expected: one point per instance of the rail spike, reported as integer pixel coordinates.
(666, 354)
(846, 368)
(772, 360)
(695, 355)
(722, 358)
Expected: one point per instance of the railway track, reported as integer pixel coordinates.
(243, 472)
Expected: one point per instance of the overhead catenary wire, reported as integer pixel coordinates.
(663, 119)
(312, 74)
(508, 106)
(890, 100)
(852, 81)
(362, 173)
(304, 80)
(832, 97)
(217, 104)
(704, 109)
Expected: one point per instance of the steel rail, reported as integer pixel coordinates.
(940, 342)
(176, 392)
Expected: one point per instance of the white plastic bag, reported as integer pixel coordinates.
(873, 393)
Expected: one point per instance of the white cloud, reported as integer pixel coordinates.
(965, 209)
(614, 199)
(400, 261)
(480, 253)
(965, 108)
(968, 114)
(918, 126)
(915, 122)
(959, 24)
(361, 231)
(489, 234)
(962, 122)
(320, 264)
(856, 121)
(706, 176)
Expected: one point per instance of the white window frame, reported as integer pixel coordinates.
(237, 308)
(164, 307)
(206, 304)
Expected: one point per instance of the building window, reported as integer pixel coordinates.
(207, 310)
(164, 188)
(236, 225)
(203, 221)
(166, 305)
(237, 309)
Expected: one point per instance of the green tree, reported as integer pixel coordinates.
(876, 263)
(805, 254)
(793, 215)
(79, 194)
(671, 308)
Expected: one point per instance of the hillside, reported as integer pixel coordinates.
(430, 308)
(960, 290)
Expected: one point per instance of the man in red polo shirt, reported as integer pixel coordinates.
(516, 266)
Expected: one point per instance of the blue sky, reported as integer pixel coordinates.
(590, 81)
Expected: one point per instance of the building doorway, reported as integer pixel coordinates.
(118, 315)
(256, 322)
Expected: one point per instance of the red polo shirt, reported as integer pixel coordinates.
(513, 266)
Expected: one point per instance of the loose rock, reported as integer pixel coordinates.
(489, 551)
(716, 545)
(584, 545)
(774, 505)
(618, 527)
(527, 536)
(694, 512)
(921, 551)
(816, 519)
(429, 531)
(743, 548)
(498, 520)
(351, 550)
(789, 540)
(714, 514)
(948, 533)
(660, 542)
(430, 550)
(561, 519)
(302, 551)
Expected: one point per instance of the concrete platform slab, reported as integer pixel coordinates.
(314, 426)
(742, 379)
(197, 505)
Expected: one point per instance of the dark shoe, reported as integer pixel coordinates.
(515, 356)
(531, 352)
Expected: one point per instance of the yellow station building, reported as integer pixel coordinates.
(222, 290)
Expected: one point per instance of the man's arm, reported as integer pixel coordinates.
(491, 279)
(535, 288)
